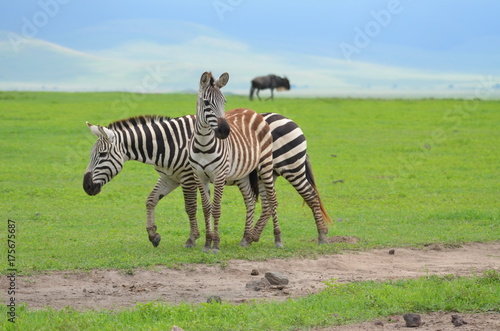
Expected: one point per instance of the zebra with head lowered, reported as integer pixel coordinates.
(226, 148)
(156, 140)
(162, 142)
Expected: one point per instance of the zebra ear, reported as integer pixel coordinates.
(205, 79)
(222, 81)
(102, 131)
(108, 134)
(94, 129)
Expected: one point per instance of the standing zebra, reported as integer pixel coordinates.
(162, 142)
(291, 161)
(225, 149)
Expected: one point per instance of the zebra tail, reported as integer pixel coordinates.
(254, 183)
(310, 179)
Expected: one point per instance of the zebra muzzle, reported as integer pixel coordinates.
(89, 186)
(223, 129)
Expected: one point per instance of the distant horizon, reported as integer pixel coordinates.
(283, 95)
(381, 48)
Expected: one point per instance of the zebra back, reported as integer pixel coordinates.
(157, 140)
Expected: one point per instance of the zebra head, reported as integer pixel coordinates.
(106, 160)
(211, 104)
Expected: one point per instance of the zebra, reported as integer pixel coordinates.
(290, 160)
(226, 148)
(156, 140)
(167, 139)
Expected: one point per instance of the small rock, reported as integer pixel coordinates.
(258, 285)
(254, 272)
(276, 278)
(379, 323)
(176, 328)
(214, 299)
(412, 320)
(457, 320)
(392, 251)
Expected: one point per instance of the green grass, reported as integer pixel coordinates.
(414, 172)
(396, 192)
(338, 304)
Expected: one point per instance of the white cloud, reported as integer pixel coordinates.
(150, 65)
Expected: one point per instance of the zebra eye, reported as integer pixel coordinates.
(103, 154)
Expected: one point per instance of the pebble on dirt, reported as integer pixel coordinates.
(392, 251)
(412, 320)
(254, 272)
(276, 278)
(457, 320)
(258, 285)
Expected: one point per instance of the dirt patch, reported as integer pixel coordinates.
(434, 321)
(115, 289)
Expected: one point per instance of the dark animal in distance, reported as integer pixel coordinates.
(269, 82)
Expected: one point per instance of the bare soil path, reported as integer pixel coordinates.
(115, 289)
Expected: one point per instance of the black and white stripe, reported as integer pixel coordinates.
(162, 142)
(225, 149)
(291, 161)
(156, 140)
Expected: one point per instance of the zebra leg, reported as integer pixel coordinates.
(250, 199)
(162, 188)
(314, 202)
(207, 213)
(264, 217)
(189, 189)
(308, 192)
(216, 211)
(268, 182)
(258, 96)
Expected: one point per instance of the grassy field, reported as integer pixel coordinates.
(391, 172)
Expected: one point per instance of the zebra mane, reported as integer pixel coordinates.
(136, 120)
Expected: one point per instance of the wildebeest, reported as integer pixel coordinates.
(270, 81)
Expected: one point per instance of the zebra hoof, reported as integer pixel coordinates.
(279, 245)
(322, 239)
(245, 243)
(190, 244)
(206, 249)
(155, 240)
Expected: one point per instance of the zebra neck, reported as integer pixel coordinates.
(203, 129)
(137, 147)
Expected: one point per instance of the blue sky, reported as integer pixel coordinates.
(347, 48)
